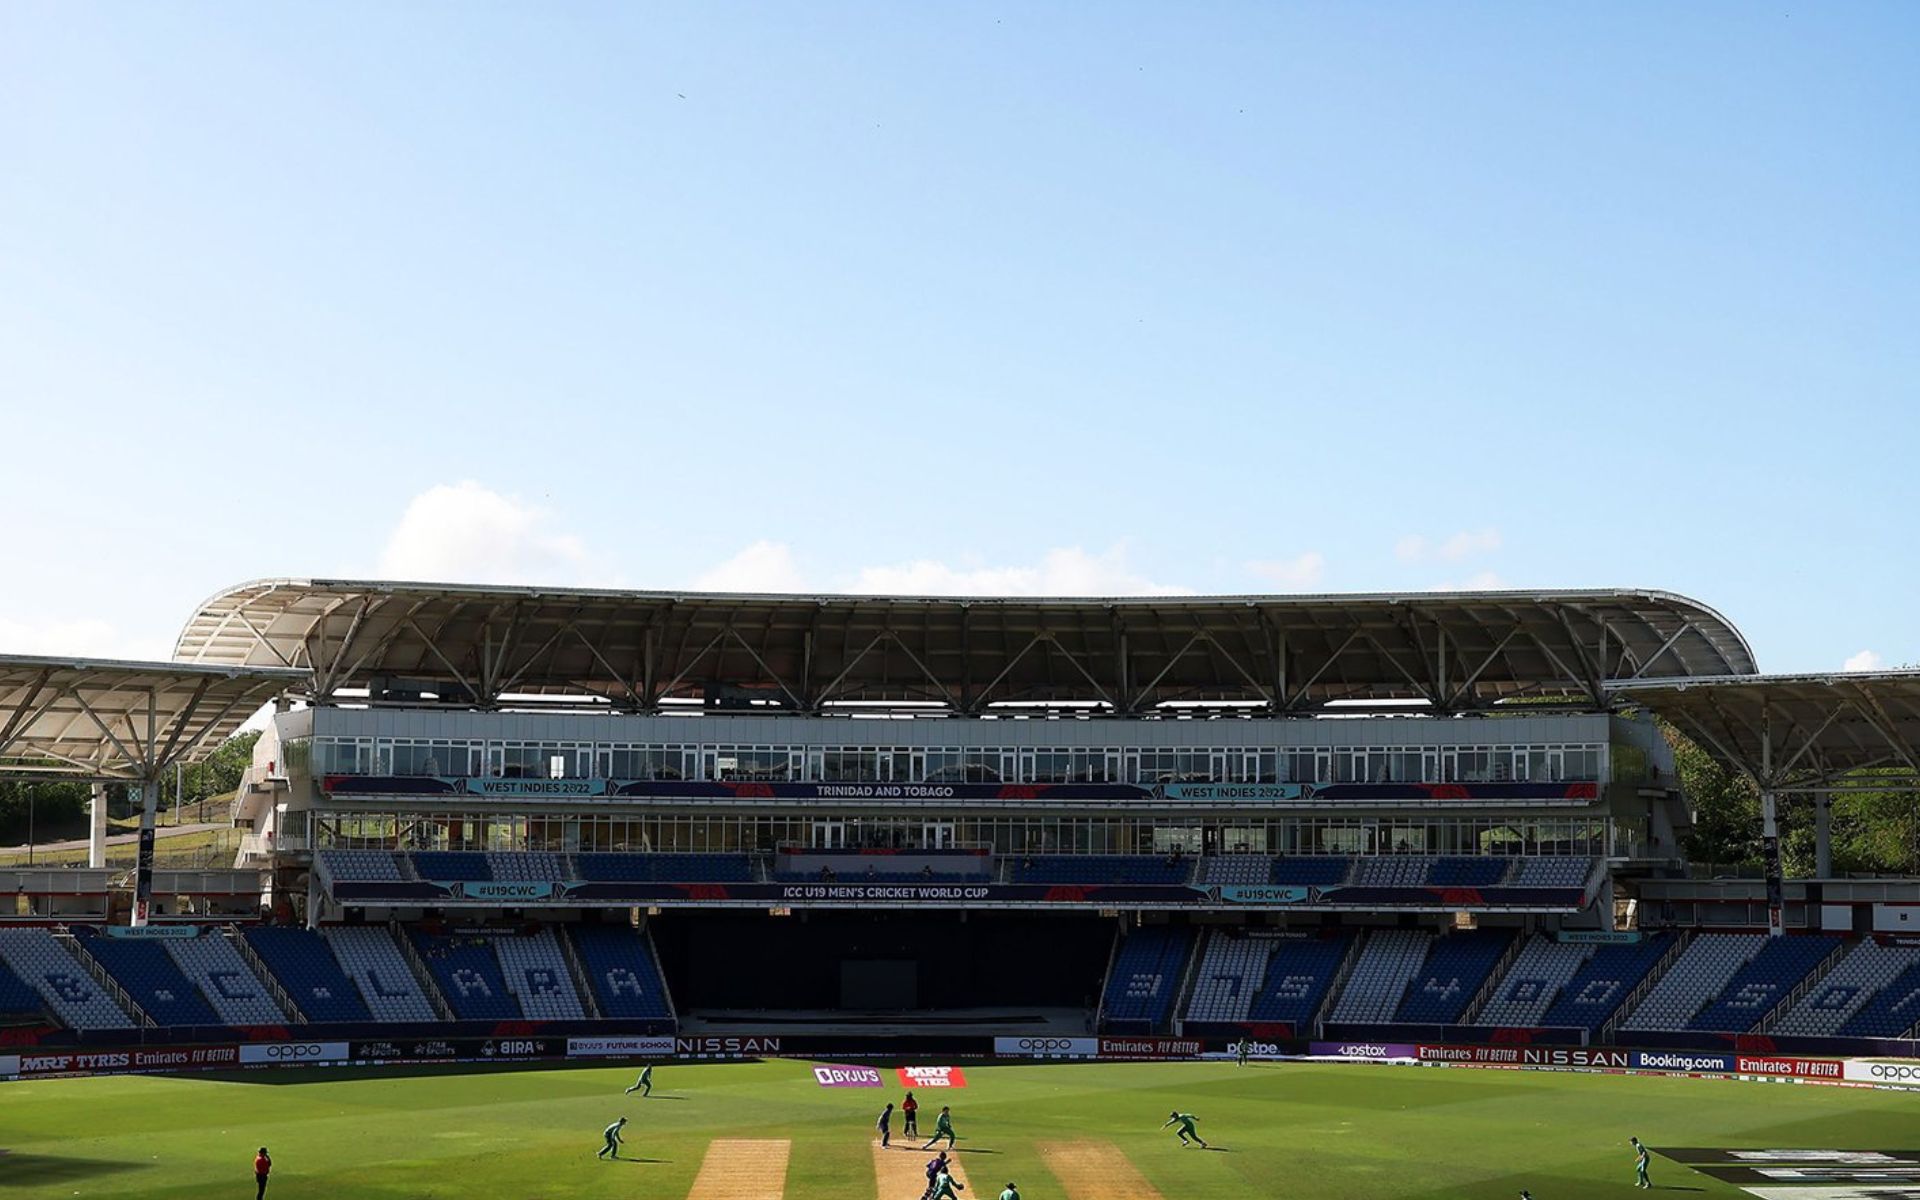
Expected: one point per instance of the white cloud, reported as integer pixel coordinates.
(1866, 660)
(1479, 581)
(1298, 574)
(1468, 543)
(79, 638)
(761, 567)
(467, 533)
(1065, 571)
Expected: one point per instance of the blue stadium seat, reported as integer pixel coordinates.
(1468, 871)
(452, 866)
(1146, 974)
(18, 999)
(1757, 988)
(1298, 976)
(619, 965)
(1603, 983)
(1102, 868)
(664, 868)
(153, 979)
(304, 965)
(1457, 966)
(468, 974)
(1312, 870)
(1892, 1011)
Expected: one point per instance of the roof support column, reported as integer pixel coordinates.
(1770, 829)
(143, 863)
(97, 828)
(1822, 837)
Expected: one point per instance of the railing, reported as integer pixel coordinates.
(589, 1003)
(1106, 976)
(1494, 978)
(1340, 974)
(666, 993)
(1184, 994)
(422, 974)
(104, 979)
(1653, 976)
(247, 955)
(1820, 971)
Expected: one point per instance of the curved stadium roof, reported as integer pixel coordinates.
(65, 718)
(1795, 730)
(638, 649)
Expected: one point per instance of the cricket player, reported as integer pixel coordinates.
(612, 1135)
(946, 1187)
(1012, 1192)
(910, 1112)
(1243, 1052)
(942, 1128)
(1641, 1160)
(885, 1126)
(936, 1167)
(1186, 1129)
(644, 1084)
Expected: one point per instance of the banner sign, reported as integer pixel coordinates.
(534, 789)
(404, 1049)
(1682, 1061)
(726, 1047)
(828, 1075)
(620, 1047)
(605, 790)
(1595, 937)
(1882, 1071)
(1796, 1068)
(1039, 1046)
(1236, 793)
(1259, 893)
(932, 1077)
(1598, 1057)
(1377, 1051)
(107, 1061)
(893, 895)
(1150, 1047)
(9, 1065)
(151, 931)
(287, 1054)
(504, 892)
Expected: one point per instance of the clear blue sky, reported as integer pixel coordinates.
(1115, 297)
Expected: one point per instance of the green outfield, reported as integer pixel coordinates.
(767, 1131)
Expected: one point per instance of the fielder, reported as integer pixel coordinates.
(612, 1135)
(1187, 1130)
(943, 1128)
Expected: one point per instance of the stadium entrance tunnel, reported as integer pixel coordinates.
(848, 963)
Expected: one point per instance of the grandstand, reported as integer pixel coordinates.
(501, 808)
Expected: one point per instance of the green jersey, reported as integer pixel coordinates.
(1009, 1194)
(944, 1124)
(612, 1132)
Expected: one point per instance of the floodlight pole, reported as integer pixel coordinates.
(1770, 830)
(143, 861)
